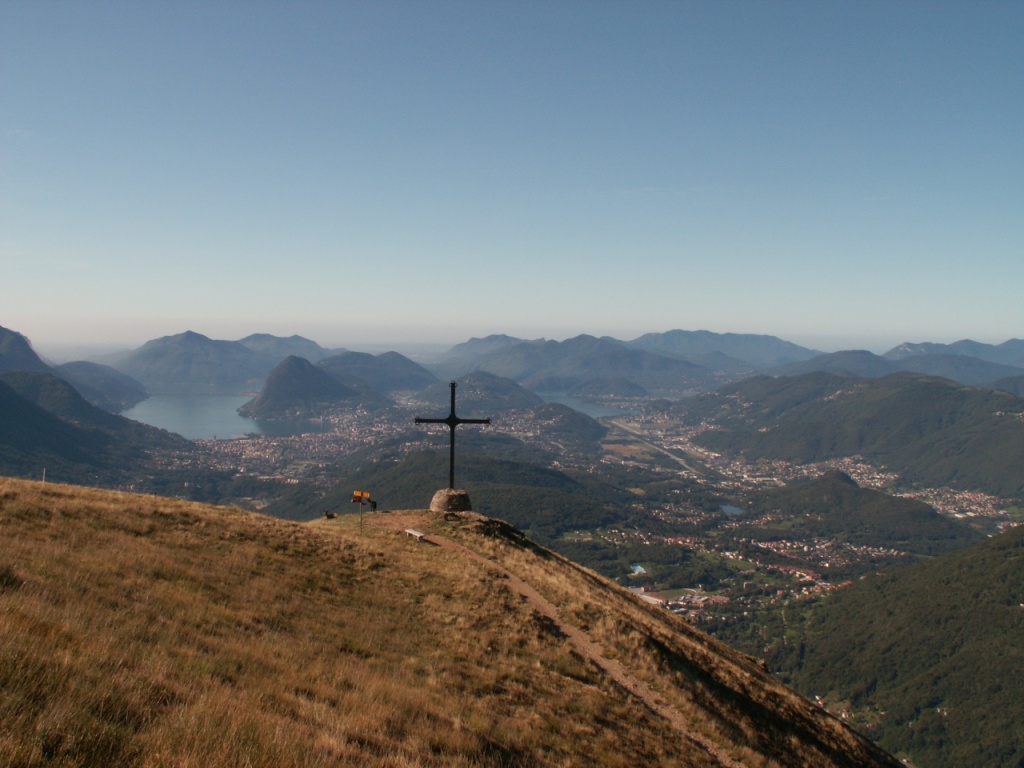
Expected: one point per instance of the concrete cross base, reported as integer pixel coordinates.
(448, 500)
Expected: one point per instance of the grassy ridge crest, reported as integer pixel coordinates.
(142, 630)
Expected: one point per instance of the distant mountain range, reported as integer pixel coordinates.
(671, 364)
(588, 364)
(560, 366)
(190, 363)
(1008, 353)
(724, 350)
(964, 369)
(731, 351)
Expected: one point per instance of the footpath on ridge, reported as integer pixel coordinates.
(580, 641)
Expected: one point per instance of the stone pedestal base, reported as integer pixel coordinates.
(448, 500)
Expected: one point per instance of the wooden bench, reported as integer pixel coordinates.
(418, 535)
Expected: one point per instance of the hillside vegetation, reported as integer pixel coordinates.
(543, 500)
(834, 506)
(148, 631)
(935, 431)
(907, 653)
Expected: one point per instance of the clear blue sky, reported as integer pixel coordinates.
(839, 174)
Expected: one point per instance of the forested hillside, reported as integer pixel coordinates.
(928, 658)
(932, 431)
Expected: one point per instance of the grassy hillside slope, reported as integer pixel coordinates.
(141, 630)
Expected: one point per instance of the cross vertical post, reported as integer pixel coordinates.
(452, 421)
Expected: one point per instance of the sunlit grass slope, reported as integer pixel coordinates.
(145, 631)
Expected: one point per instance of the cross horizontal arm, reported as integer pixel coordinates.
(452, 421)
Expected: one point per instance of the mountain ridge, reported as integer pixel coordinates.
(481, 648)
(1009, 352)
(389, 372)
(47, 424)
(927, 427)
(756, 351)
(191, 363)
(16, 353)
(102, 385)
(560, 366)
(668, 363)
(962, 368)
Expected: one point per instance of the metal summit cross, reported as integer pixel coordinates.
(452, 421)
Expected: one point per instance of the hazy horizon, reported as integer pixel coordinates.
(378, 172)
(59, 352)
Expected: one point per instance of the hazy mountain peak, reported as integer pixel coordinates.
(1009, 353)
(16, 353)
(386, 372)
(188, 337)
(279, 347)
(756, 350)
(190, 363)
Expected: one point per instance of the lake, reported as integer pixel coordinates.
(206, 417)
(215, 417)
(593, 410)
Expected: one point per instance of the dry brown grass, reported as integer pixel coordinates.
(147, 631)
(726, 697)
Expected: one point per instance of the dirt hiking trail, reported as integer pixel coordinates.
(580, 641)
